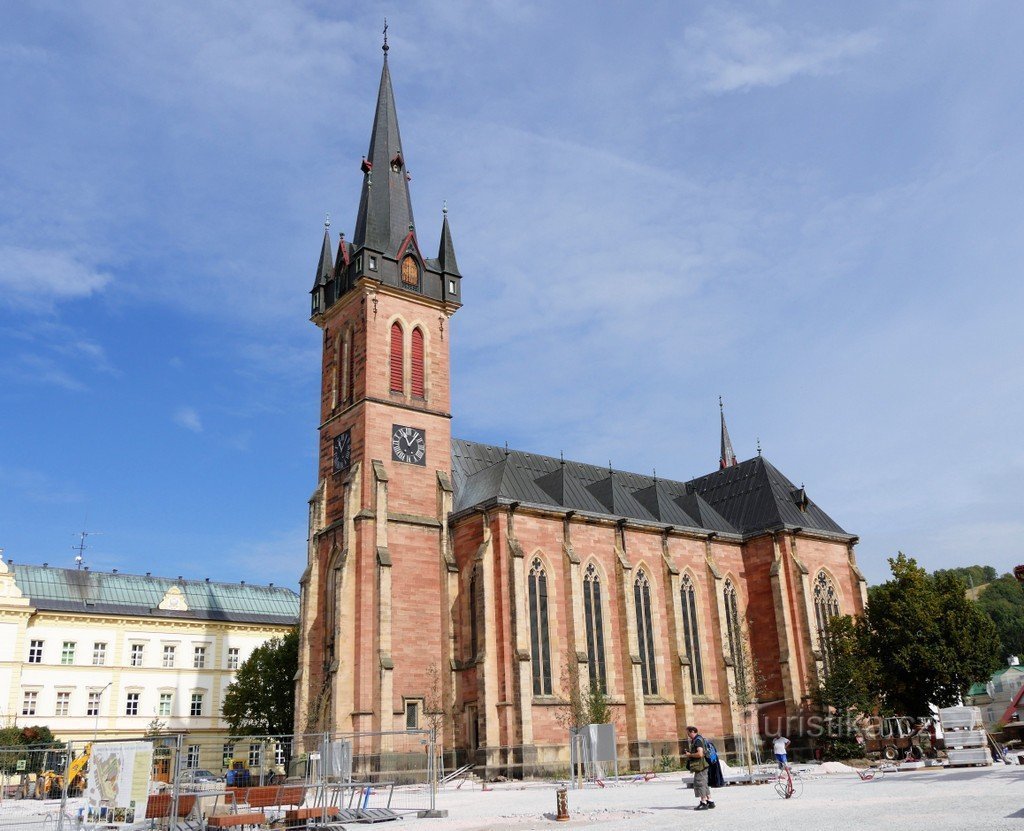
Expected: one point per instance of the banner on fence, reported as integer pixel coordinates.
(117, 787)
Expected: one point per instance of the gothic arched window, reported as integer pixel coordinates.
(826, 607)
(473, 611)
(735, 633)
(645, 633)
(397, 358)
(691, 634)
(351, 366)
(539, 642)
(595, 628)
(418, 387)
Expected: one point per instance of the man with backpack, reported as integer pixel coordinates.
(698, 760)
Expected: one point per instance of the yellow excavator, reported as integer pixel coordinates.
(50, 783)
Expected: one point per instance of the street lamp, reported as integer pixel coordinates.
(99, 703)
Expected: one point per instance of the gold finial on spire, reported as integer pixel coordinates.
(385, 47)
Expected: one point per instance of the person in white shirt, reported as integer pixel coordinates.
(780, 747)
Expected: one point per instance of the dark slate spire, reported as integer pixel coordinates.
(385, 210)
(325, 268)
(728, 457)
(446, 251)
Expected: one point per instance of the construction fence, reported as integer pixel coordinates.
(183, 782)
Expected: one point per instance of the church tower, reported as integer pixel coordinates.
(375, 641)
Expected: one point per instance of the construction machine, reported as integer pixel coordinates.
(50, 783)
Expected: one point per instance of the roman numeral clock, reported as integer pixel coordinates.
(408, 445)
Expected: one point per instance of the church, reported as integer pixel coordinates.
(466, 586)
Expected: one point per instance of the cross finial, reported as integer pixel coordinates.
(444, 207)
(385, 47)
(758, 445)
(506, 450)
(720, 406)
(327, 221)
(561, 458)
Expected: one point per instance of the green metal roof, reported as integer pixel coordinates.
(977, 689)
(63, 589)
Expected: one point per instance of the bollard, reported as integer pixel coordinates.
(562, 805)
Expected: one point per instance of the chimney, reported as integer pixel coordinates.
(1013, 661)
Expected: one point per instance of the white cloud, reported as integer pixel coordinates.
(188, 418)
(727, 52)
(41, 277)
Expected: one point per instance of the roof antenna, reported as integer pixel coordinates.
(385, 47)
(561, 460)
(655, 475)
(80, 548)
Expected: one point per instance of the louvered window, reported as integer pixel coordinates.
(418, 389)
(539, 642)
(351, 366)
(397, 358)
(645, 633)
(691, 635)
(410, 272)
(595, 628)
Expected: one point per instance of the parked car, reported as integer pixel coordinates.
(199, 779)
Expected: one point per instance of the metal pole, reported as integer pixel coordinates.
(99, 706)
(433, 770)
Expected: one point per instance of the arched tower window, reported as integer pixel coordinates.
(691, 634)
(410, 271)
(351, 366)
(418, 387)
(539, 642)
(595, 628)
(645, 633)
(473, 611)
(735, 633)
(397, 358)
(826, 607)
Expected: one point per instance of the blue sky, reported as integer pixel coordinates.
(813, 210)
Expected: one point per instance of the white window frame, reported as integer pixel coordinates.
(67, 653)
(99, 654)
(170, 651)
(165, 704)
(29, 702)
(234, 658)
(197, 703)
(35, 652)
(94, 702)
(192, 757)
(62, 704)
(131, 703)
(199, 657)
(136, 654)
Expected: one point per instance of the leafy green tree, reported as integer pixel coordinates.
(973, 576)
(261, 699)
(1003, 601)
(929, 641)
(846, 693)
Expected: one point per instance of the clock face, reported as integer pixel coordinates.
(342, 451)
(409, 445)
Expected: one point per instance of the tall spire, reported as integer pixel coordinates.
(446, 251)
(325, 268)
(385, 210)
(728, 457)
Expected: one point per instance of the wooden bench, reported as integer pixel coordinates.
(159, 805)
(231, 820)
(298, 817)
(264, 796)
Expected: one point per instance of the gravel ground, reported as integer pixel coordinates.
(932, 799)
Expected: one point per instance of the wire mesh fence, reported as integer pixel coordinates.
(183, 781)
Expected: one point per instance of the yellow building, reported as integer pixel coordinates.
(104, 654)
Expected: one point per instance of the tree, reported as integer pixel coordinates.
(928, 639)
(845, 693)
(583, 705)
(261, 699)
(973, 576)
(1003, 601)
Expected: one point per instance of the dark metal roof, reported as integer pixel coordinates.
(97, 592)
(385, 209)
(325, 267)
(743, 499)
(446, 250)
(754, 496)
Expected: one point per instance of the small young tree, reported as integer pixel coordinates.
(261, 699)
(844, 693)
(747, 686)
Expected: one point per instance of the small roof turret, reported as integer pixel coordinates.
(446, 250)
(325, 268)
